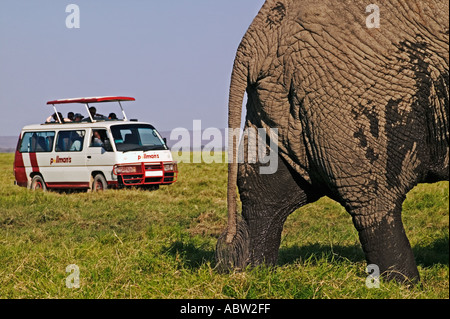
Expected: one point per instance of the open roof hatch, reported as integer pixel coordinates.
(87, 100)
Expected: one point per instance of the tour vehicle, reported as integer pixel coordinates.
(93, 153)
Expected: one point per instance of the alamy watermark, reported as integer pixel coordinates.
(373, 19)
(253, 145)
(373, 280)
(73, 19)
(73, 280)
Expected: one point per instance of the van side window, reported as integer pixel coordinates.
(70, 141)
(100, 138)
(38, 142)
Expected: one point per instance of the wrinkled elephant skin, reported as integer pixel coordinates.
(362, 117)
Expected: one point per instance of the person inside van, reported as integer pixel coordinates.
(112, 116)
(96, 139)
(77, 142)
(70, 117)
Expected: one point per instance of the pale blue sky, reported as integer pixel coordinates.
(175, 57)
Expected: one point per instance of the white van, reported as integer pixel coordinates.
(94, 154)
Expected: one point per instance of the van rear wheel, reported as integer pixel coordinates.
(99, 183)
(37, 183)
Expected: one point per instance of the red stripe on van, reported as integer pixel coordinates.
(19, 170)
(68, 185)
(34, 163)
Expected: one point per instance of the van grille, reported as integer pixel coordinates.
(147, 174)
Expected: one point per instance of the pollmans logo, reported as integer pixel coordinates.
(148, 156)
(59, 160)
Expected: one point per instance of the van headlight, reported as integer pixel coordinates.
(126, 169)
(170, 167)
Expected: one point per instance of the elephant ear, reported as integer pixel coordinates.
(276, 15)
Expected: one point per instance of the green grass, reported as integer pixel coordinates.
(160, 244)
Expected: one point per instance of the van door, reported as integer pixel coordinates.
(33, 155)
(68, 164)
(100, 156)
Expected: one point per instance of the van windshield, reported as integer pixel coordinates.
(137, 137)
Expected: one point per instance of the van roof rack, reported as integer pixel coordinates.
(87, 100)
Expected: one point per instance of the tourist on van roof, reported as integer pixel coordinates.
(94, 114)
(54, 118)
(70, 116)
(77, 117)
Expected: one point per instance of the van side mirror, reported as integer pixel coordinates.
(165, 140)
(107, 146)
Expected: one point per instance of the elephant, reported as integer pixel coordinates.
(361, 113)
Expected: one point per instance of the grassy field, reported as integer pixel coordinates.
(160, 244)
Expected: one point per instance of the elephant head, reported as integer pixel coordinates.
(362, 117)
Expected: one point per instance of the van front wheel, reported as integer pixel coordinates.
(37, 183)
(99, 183)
